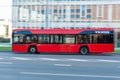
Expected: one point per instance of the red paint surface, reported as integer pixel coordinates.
(62, 31)
(93, 48)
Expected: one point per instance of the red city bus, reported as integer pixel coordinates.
(81, 41)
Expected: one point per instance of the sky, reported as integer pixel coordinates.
(5, 9)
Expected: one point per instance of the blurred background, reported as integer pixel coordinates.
(59, 14)
(5, 21)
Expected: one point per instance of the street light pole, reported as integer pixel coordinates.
(47, 2)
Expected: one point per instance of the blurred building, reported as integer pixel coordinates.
(66, 13)
(5, 28)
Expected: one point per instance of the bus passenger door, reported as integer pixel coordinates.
(68, 43)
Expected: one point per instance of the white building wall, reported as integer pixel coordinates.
(67, 23)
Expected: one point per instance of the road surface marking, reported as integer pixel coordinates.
(1, 58)
(94, 60)
(70, 75)
(21, 58)
(81, 60)
(67, 59)
(66, 65)
(50, 59)
(6, 63)
(115, 61)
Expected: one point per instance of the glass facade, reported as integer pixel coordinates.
(55, 13)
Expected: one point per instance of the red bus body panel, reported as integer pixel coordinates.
(69, 48)
(73, 48)
(61, 31)
(20, 48)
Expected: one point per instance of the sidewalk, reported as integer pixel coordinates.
(5, 45)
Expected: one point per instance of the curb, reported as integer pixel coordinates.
(5, 51)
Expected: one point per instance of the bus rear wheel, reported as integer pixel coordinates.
(32, 50)
(84, 50)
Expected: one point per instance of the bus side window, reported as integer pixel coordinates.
(16, 39)
(56, 39)
(34, 39)
(81, 39)
(21, 39)
(99, 39)
(28, 39)
(69, 39)
(45, 41)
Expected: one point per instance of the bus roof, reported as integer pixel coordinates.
(63, 31)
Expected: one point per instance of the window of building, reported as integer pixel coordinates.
(88, 16)
(88, 10)
(55, 11)
(58, 0)
(33, 0)
(60, 11)
(83, 13)
(77, 10)
(72, 16)
(38, 0)
(20, 0)
(84, 7)
(77, 16)
(14, 0)
(23, 14)
(42, 11)
(64, 16)
(72, 10)
(64, 11)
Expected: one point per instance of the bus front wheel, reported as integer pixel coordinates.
(84, 50)
(32, 49)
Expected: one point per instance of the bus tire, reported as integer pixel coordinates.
(84, 50)
(32, 50)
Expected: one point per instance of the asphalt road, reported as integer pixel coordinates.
(16, 66)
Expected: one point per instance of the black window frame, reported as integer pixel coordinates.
(43, 35)
(59, 36)
(24, 42)
(88, 42)
(95, 41)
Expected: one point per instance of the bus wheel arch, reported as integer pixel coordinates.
(33, 49)
(84, 50)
